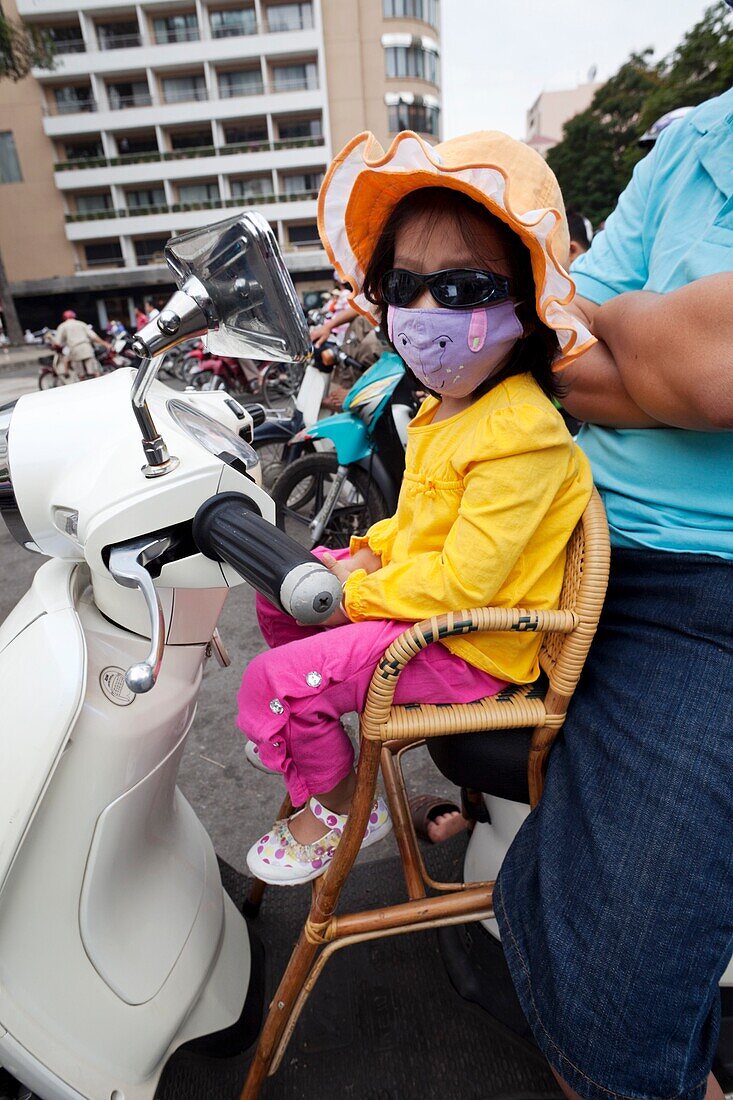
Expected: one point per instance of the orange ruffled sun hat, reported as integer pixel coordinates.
(364, 184)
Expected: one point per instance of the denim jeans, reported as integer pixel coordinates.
(615, 902)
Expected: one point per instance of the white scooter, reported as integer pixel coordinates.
(117, 942)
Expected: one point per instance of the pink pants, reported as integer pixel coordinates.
(293, 695)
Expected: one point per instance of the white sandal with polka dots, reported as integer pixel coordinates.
(277, 857)
(253, 756)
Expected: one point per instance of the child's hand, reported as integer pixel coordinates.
(340, 569)
(363, 559)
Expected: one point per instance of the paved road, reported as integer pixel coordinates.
(15, 383)
(235, 802)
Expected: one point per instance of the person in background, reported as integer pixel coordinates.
(78, 338)
(581, 234)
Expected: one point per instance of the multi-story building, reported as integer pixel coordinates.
(163, 115)
(551, 110)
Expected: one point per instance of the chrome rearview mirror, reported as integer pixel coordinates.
(235, 292)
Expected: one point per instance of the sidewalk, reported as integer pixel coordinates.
(25, 356)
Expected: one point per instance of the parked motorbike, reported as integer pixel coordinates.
(54, 370)
(327, 496)
(273, 441)
(273, 438)
(118, 944)
(271, 382)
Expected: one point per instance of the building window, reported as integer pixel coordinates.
(9, 163)
(134, 144)
(242, 133)
(198, 192)
(118, 36)
(176, 28)
(108, 254)
(193, 139)
(92, 204)
(301, 235)
(181, 89)
(129, 93)
(70, 99)
(293, 78)
(302, 183)
(290, 17)
(256, 187)
(149, 250)
(241, 82)
(419, 117)
(66, 39)
(233, 22)
(412, 61)
(293, 128)
(142, 197)
(427, 10)
(83, 150)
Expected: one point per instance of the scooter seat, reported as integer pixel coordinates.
(491, 761)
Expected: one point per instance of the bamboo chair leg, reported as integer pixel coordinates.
(253, 901)
(403, 831)
(314, 934)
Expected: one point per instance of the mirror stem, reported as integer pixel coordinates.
(158, 460)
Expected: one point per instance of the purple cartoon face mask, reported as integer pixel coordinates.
(452, 351)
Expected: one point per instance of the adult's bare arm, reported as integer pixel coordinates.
(674, 351)
(594, 389)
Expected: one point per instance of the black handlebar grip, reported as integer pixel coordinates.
(258, 414)
(229, 528)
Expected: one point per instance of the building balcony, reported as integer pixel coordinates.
(169, 220)
(196, 153)
(70, 45)
(187, 207)
(136, 52)
(91, 117)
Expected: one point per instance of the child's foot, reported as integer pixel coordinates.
(444, 826)
(436, 819)
(253, 757)
(281, 859)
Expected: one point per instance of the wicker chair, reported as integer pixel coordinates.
(387, 731)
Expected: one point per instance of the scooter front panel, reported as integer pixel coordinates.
(144, 884)
(54, 1002)
(45, 661)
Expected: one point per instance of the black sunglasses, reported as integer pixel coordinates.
(454, 288)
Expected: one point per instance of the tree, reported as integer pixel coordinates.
(21, 48)
(701, 67)
(599, 148)
(592, 160)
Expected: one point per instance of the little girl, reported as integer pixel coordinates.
(458, 250)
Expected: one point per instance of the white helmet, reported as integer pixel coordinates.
(651, 135)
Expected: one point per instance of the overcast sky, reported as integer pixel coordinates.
(497, 57)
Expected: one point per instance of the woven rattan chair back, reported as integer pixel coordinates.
(584, 586)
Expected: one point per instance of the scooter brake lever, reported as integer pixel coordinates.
(128, 565)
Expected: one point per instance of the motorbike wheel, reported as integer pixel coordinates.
(203, 380)
(280, 383)
(47, 380)
(273, 460)
(302, 488)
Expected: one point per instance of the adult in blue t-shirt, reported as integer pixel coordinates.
(615, 902)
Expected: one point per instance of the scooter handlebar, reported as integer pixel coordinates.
(228, 528)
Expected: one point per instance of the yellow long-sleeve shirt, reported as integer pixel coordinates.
(489, 500)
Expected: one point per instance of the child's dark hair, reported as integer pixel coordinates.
(534, 353)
